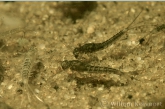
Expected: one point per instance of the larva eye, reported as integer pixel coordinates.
(76, 53)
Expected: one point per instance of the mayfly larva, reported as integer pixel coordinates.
(76, 65)
(93, 47)
(26, 72)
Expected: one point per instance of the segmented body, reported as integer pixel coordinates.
(76, 65)
(93, 47)
(27, 65)
(26, 69)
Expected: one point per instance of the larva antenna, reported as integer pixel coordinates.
(134, 19)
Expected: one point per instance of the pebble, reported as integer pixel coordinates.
(90, 29)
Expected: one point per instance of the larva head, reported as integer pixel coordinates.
(76, 52)
(65, 64)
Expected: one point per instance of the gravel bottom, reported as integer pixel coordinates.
(37, 36)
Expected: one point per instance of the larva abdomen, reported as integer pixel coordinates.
(26, 70)
(27, 66)
(76, 65)
(102, 69)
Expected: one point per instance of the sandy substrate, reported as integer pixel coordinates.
(37, 36)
